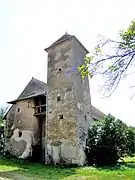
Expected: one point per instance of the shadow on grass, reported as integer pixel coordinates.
(119, 166)
(17, 169)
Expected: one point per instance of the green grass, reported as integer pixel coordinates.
(19, 170)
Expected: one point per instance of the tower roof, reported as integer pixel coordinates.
(63, 38)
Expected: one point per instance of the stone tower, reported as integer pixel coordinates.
(69, 104)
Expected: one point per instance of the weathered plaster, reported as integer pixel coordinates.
(22, 146)
(24, 121)
(66, 137)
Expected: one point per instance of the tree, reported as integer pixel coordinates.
(2, 125)
(113, 66)
(108, 141)
(2, 112)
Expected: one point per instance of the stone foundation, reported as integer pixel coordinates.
(65, 154)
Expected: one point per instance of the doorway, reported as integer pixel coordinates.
(38, 150)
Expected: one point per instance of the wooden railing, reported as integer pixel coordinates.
(40, 110)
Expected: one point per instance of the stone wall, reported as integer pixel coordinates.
(64, 134)
(10, 121)
(61, 121)
(83, 99)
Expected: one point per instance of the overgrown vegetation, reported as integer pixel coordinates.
(112, 59)
(108, 141)
(2, 125)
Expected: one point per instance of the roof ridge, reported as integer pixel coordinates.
(39, 80)
(63, 38)
(25, 88)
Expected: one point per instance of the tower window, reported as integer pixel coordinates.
(58, 98)
(20, 134)
(18, 110)
(61, 116)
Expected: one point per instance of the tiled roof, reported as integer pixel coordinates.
(33, 88)
(65, 37)
(97, 114)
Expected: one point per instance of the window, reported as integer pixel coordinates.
(59, 69)
(58, 98)
(18, 110)
(85, 117)
(20, 134)
(61, 116)
(95, 119)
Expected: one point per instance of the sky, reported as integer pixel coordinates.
(29, 26)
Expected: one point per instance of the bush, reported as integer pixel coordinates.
(108, 141)
(2, 128)
(1, 140)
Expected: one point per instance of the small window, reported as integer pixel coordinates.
(85, 117)
(58, 98)
(20, 134)
(18, 110)
(61, 116)
(59, 69)
(95, 119)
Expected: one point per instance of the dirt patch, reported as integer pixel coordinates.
(14, 176)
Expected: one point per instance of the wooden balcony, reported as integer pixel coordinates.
(40, 110)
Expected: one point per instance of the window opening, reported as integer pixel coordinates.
(58, 98)
(61, 116)
(20, 134)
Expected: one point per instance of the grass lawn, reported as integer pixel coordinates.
(19, 170)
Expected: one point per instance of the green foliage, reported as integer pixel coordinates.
(2, 125)
(13, 169)
(2, 112)
(84, 68)
(128, 37)
(109, 141)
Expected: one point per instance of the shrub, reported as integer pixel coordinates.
(108, 141)
(2, 128)
(1, 140)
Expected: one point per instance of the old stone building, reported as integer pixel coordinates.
(52, 119)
